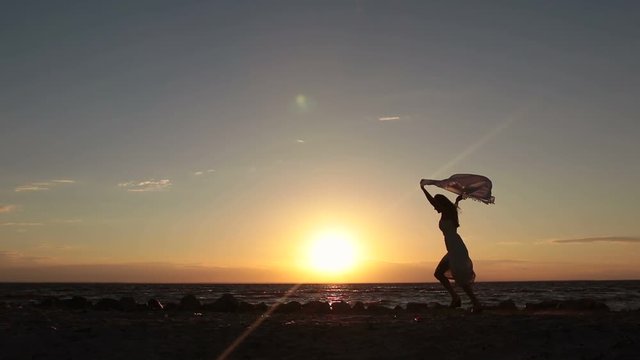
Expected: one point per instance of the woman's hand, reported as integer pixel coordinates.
(423, 183)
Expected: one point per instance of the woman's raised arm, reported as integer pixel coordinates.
(429, 197)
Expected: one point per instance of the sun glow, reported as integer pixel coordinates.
(332, 252)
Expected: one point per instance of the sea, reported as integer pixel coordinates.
(618, 295)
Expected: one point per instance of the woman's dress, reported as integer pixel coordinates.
(460, 265)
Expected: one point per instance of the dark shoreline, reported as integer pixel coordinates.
(30, 332)
(230, 304)
(617, 295)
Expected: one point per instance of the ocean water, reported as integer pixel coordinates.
(618, 295)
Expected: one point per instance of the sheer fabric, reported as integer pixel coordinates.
(476, 187)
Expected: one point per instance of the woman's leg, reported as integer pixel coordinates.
(474, 300)
(441, 269)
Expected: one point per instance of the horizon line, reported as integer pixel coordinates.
(296, 283)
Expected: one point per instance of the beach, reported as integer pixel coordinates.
(30, 332)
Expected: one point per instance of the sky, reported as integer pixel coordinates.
(196, 141)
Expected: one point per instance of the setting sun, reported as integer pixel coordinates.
(332, 252)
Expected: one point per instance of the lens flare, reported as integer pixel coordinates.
(303, 103)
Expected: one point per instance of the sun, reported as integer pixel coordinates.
(332, 252)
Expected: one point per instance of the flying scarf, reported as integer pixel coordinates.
(476, 187)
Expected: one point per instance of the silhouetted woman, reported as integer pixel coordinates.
(455, 264)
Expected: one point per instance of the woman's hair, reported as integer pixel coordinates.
(447, 208)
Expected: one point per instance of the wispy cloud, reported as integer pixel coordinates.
(609, 239)
(203, 172)
(63, 181)
(389, 118)
(300, 141)
(21, 224)
(66, 221)
(35, 186)
(146, 185)
(7, 208)
(14, 258)
(21, 267)
(42, 185)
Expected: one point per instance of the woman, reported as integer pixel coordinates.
(456, 263)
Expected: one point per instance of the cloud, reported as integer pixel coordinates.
(36, 186)
(17, 267)
(609, 239)
(7, 208)
(202, 172)
(535, 270)
(21, 267)
(31, 224)
(42, 185)
(21, 224)
(299, 141)
(16, 259)
(66, 221)
(389, 118)
(146, 185)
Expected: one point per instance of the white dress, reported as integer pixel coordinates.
(460, 265)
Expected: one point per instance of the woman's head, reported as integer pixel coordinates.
(443, 203)
(447, 208)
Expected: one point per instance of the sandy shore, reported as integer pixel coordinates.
(33, 333)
